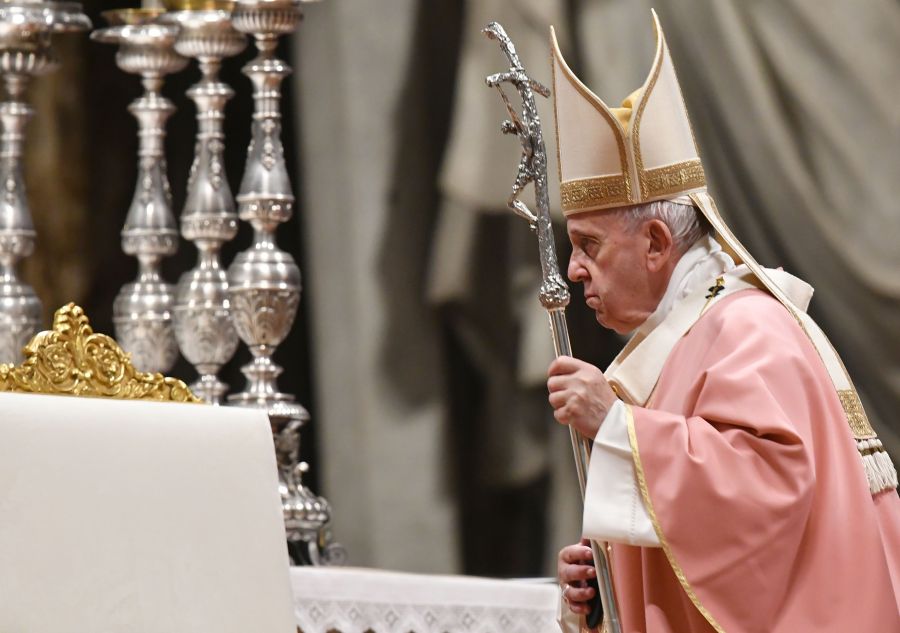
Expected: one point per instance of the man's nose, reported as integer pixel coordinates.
(575, 272)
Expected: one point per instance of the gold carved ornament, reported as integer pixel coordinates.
(71, 359)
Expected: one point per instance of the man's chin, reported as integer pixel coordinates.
(618, 328)
(601, 319)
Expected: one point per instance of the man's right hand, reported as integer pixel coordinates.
(574, 567)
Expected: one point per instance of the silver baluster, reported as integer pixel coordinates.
(25, 52)
(142, 311)
(203, 324)
(264, 281)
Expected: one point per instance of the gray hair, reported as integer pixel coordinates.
(685, 222)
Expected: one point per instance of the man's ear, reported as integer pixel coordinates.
(660, 244)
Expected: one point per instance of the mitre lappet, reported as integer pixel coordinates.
(645, 150)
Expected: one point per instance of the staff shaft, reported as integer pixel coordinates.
(581, 448)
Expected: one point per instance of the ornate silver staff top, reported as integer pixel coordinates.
(554, 294)
(533, 166)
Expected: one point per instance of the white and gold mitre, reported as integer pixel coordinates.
(641, 151)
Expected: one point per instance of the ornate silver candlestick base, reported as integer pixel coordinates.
(307, 517)
(26, 27)
(142, 311)
(307, 520)
(203, 325)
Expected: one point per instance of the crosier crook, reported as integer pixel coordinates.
(554, 294)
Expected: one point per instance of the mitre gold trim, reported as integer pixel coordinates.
(73, 360)
(672, 179)
(584, 193)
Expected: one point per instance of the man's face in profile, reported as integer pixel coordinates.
(610, 258)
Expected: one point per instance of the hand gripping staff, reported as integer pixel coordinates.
(554, 294)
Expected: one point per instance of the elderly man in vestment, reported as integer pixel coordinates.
(734, 473)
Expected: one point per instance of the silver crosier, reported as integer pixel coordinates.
(554, 294)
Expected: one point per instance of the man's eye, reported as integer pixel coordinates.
(590, 248)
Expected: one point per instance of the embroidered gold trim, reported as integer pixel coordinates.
(667, 549)
(856, 415)
(72, 360)
(866, 432)
(585, 193)
(677, 178)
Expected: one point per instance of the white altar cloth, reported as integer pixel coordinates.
(352, 600)
(139, 517)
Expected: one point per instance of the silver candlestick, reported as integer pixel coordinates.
(203, 325)
(25, 52)
(142, 311)
(264, 281)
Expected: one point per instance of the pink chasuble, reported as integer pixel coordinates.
(756, 490)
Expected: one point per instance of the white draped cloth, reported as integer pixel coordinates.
(134, 516)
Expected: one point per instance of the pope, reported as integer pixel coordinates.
(734, 473)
